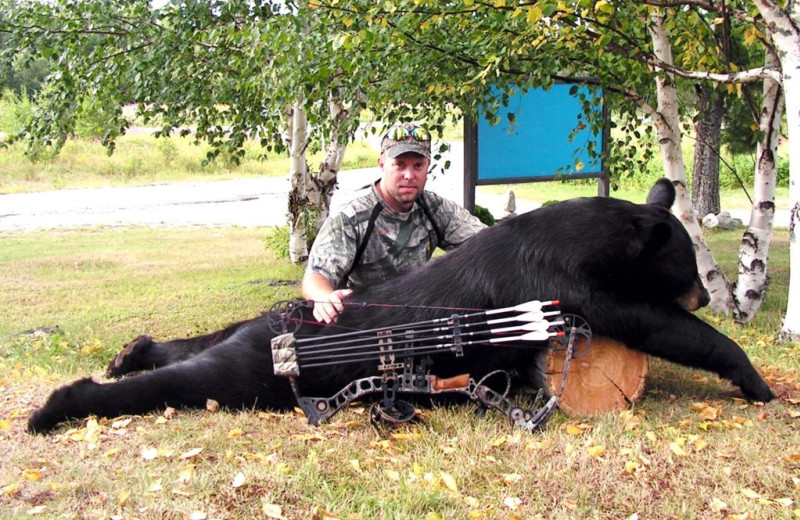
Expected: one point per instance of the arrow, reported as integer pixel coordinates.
(367, 335)
(539, 335)
(528, 316)
(531, 306)
(530, 326)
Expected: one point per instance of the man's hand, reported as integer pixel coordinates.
(328, 309)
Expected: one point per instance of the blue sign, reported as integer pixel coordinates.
(546, 137)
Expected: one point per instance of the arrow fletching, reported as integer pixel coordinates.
(530, 326)
(528, 316)
(533, 305)
(539, 335)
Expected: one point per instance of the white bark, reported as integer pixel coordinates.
(310, 194)
(669, 138)
(782, 27)
(298, 175)
(751, 282)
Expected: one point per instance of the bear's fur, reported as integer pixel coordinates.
(628, 269)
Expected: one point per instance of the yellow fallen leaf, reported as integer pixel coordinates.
(321, 514)
(194, 452)
(160, 420)
(448, 481)
(272, 511)
(186, 474)
(392, 474)
(406, 436)
(749, 493)
(31, 474)
(236, 432)
(123, 498)
(121, 423)
(710, 413)
(632, 467)
(10, 490)
(239, 480)
(717, 505)
(578, 428)
(510, 478)
(596, 451)
(498, 442)
(677, 449)
(355, 464)
(110, 453)
(5, 425)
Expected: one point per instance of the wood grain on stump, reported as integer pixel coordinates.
(608, 377)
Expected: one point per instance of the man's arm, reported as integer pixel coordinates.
(327, 301)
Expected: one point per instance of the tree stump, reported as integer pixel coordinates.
(608, 377)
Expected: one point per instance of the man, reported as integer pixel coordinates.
(390, 227)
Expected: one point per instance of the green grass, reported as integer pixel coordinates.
(667, 458)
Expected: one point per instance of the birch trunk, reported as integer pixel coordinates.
(782, 26)
(667, 125)
(300, 182)
(707, 129)
(751, 282)
(310, 193)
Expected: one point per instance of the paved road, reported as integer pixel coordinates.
(244, 202)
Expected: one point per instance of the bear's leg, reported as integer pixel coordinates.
(145, 354)
(236, 374)
(673, 334)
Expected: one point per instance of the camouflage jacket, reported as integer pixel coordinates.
(399, 242)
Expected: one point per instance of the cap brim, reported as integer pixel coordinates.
(400, 149)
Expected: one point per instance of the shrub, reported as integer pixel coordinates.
(14, 111)
(484, 215)
(277, 242)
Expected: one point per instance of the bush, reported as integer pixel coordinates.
(484, 215)
(14, 111)
(277, 242)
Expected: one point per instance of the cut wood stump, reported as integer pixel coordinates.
(608, 377)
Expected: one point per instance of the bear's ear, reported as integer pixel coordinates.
(649, 237)
(662, 194)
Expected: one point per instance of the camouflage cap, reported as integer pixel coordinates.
(404, 138)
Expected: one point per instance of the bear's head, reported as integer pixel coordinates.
(665, 252)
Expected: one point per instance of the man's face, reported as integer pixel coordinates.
(403, 179)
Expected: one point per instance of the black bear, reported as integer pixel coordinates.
(628, 269)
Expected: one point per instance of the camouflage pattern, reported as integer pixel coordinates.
(399, 242)
(284, 355)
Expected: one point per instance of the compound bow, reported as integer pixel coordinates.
(396, 350)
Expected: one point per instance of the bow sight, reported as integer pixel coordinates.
(402, 354)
